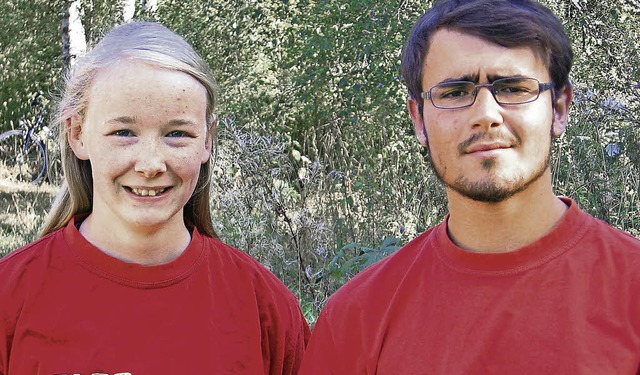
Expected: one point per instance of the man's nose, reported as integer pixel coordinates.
(486, 110)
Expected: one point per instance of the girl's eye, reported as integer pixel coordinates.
(177, 134)
(123, 133)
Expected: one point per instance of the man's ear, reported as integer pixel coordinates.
(73, 126)
(561, 107)
(418, 122)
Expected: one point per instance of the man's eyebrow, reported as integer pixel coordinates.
(493, 77)
(475, 77)
(464, 77)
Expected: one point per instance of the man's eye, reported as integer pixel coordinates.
(513, 90)
(454, 93)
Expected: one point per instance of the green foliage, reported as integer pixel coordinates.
(353, 258)
(29, 55)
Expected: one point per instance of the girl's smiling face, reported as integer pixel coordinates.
(146, 136)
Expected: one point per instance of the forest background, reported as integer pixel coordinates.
(317, 172)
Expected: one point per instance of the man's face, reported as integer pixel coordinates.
(487, 152)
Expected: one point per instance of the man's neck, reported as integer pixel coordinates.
(505, 226)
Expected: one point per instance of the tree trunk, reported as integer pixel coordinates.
(74, 43)
(128, 9)
(149, 5)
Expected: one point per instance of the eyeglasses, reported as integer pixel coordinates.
(461, 94)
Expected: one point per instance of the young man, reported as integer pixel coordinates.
(515, 280)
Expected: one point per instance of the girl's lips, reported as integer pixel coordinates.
(147, 192)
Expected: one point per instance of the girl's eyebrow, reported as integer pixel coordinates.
(181, 122)
(127, 120)
(122, 120)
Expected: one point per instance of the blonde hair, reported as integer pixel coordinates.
(147, 42)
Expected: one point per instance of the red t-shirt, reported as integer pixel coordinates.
(567, 304)
(68, 308)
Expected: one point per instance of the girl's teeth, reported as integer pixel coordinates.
(145, 192)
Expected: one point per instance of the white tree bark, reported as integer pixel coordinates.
(149, 5)
(128, 9)
(74, 42)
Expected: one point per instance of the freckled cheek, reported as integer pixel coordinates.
(187, 165)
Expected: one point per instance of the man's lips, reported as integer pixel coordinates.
(483, 142)
(482, 147)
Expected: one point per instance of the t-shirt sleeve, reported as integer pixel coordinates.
(9, 310)
(296, 343)
(9, 289)
(284, 329)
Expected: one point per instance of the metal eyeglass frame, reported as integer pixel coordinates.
(541, 88)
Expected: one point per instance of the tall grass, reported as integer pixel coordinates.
(22, 210)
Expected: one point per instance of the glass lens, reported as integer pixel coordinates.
(453, 94)
(516, 90)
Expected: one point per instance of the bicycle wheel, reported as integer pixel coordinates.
(10, 145)
(54, 167)
(28, 163)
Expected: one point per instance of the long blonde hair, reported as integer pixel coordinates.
(147, 42)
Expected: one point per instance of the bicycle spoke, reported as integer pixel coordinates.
(28, 163)
(10, 146)
(32, 162)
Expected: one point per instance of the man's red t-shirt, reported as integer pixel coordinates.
(567, 304)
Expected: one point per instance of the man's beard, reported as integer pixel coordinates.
(490, 190)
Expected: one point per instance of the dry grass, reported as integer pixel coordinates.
(23, 207)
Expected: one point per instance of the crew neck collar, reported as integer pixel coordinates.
(133, 274)
(571, 227)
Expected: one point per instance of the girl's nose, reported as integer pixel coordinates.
(150, 161)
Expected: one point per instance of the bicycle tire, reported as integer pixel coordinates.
(10, 143)
(28, 164)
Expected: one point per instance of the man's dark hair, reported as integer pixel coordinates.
(508, 23)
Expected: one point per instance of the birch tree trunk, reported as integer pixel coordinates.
(149, 6)
(74, 43)
(128, 9)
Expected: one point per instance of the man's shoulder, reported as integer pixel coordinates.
(583, 230)
(604, 235)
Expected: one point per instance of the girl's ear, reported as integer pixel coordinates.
(208, 146)
(73, 126)
(561, 107)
